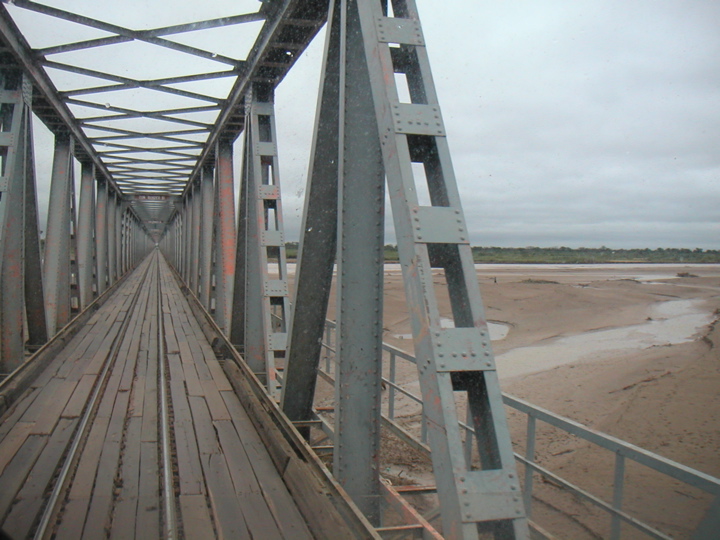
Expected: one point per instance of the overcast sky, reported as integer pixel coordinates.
(576, 123)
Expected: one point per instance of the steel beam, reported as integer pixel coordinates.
(224, 241)
(86, 215)
(34, 290)
(197, 224)
(360, 234)
(101, 234)
(15, 144)
(452, 362)
(58, 242)
(316, 255)
(111, 237)
(206, 235)
(260, 295)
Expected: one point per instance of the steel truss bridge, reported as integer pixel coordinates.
(160, 383)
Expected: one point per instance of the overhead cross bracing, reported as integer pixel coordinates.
(150, 135)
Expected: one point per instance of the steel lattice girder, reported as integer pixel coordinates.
(125, 157)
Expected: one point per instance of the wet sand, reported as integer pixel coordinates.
(630, 350)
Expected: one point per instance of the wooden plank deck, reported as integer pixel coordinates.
(224, 481)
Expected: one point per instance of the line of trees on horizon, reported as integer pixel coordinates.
(567, 255)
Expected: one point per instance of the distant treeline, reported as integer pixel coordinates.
(566, 255)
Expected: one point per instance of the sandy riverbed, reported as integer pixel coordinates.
(630, 350)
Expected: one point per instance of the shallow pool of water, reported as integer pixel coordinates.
(673, 322)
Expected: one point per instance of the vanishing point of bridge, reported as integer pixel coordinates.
(159, 378)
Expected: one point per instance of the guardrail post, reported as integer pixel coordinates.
(618, 492)
(530, 456)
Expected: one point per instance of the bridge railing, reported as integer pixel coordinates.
(622, 451)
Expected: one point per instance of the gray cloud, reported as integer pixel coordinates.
(570, 123)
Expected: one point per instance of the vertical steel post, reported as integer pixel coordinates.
(361, 198)
(56, 266)
(206, 234)
(263, 296)
(34, 289)
(101, 211)
(432, 234)
(197, 224)
(224, 234)
(20, 276)
(111, 246)
(118, 237)
(86, 212)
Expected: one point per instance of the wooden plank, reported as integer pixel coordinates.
(147, 522)
(30, 499)
(72, 519)
(274, 490)
(194, 388)
(99, 512)
(13, 441)
(60, 399)
(218, 375)
(206, 436)
(225, 504)
(125, 508)
(76, 404)
(84, 479)
(18, 469)
(218, 410)
(190, 475)
(17, 410)
(258, 517)
(36, 411)
(196, 518)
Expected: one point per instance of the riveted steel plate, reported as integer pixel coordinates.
(438, 225)
(265, 149)
(4, 183)
(462, 349)
(397, 30)
(276, 287)
(272, 238)
(278, 341)
(489, 496)
(414, 119)
(268, 192)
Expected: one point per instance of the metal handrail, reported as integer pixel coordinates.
(623, 450)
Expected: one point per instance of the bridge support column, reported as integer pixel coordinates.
(59, 243)
(378, 113)
(21, 287)
(224, 236)
(118, 218)
(101, 233)
(86, 224)
(111, 238)
(260, 305)
(197, 224)
(206, 234)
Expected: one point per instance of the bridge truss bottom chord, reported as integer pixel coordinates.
(81, 452)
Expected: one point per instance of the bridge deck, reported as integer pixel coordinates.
(224, 480)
